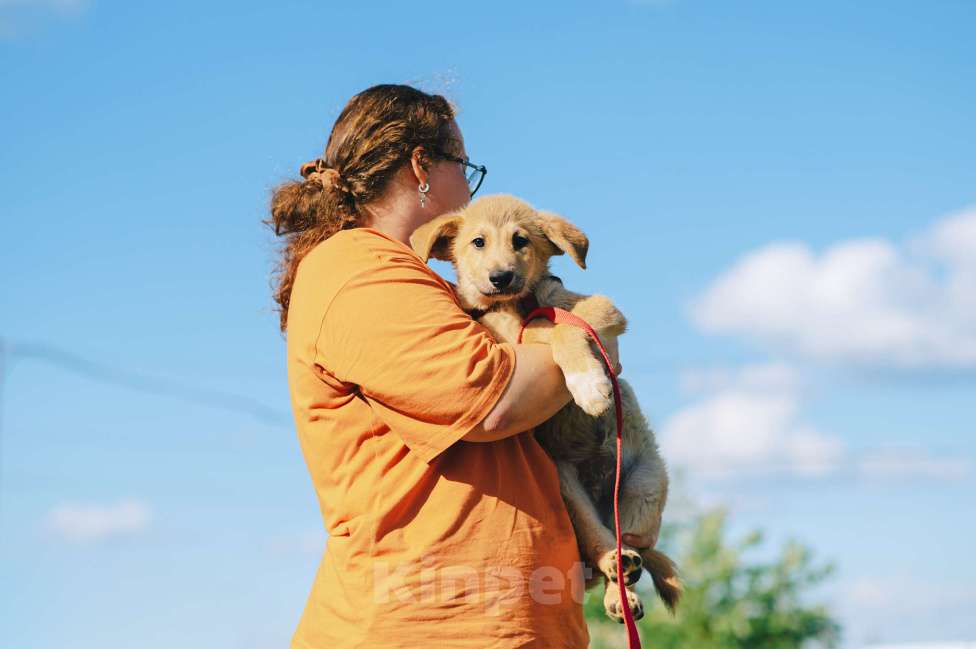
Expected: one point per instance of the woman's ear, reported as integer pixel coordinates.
(420, 164)
(565, 236)
(436, 237)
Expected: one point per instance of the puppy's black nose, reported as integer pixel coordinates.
(501, 278)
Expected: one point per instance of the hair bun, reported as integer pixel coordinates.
(312, 166)
(318, 171)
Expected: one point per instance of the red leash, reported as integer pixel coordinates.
(561, 316)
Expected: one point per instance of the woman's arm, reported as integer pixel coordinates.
(426, 369)
(536, 391)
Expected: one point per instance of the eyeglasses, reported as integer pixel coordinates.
(474, 174)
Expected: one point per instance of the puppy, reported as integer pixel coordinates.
(500, 247)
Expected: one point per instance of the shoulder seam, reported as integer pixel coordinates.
(414, 261)
(325, 312)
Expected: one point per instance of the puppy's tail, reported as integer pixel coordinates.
(664, 573)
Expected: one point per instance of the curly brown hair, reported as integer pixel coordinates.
(374, 135)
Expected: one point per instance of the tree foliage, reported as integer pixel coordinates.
(731, 601)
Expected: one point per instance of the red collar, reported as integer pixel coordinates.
(527, 303)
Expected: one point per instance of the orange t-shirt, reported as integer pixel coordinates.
(433, 541)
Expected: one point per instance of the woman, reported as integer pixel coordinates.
(446, 527)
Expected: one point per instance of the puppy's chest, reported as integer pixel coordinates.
(504, 324)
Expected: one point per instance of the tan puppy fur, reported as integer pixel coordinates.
(500, 247)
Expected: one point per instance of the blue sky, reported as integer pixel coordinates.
(780, 196)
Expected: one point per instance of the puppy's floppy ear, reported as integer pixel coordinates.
(434, 238)
(564, 236)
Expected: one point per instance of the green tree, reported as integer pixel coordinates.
(730, 600)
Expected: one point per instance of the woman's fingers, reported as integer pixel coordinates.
(639, 541)
(613, 351)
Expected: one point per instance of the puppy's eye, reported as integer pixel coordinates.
(519, 242)
(478, 242)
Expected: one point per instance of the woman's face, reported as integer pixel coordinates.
(449, 190)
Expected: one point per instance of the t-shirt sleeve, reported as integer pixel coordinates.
(428, 370)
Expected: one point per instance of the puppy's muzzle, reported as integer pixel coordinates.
(501, 279)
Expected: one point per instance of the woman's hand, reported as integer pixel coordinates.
(639, 541)
(613, 351)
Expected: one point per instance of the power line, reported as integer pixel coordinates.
(138, 381)
(11, 352)
(3, 376)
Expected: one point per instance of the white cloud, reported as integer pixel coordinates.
(765, 376)
(904, 463)
(77, 522)
(867, 302)
(925, 645)
(887, 593)
(748, 421)
(887, 610)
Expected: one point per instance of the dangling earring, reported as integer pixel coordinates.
(423, 192)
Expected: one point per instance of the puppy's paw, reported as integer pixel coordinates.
(615, 609)
(632, 565)
(591, 390)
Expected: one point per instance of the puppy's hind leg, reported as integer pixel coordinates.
(642, 500)
(597, 543)
(643, 495)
